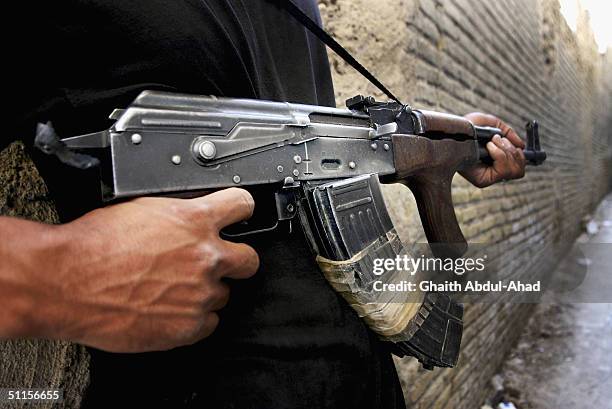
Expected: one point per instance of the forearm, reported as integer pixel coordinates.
(29, 254)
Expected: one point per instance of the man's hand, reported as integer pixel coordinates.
(144, 275)
(506, 151)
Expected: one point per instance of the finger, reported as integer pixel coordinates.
(514, 138)
(228, 206)
(496, 150)
(209, 323)
(221, 301)
(518, 165)
(481, 119)
(202, 329)
(497, 141)
(221, 294)
(478, 175)
(514, 167)
(508, 146)
(501, 167)
(520, 157)
(241, 261)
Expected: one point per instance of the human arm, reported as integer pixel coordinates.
(139, 276)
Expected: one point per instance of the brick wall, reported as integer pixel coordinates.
(516, 59)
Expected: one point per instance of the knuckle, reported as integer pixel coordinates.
(214, 297)
(226, 258)
(508, 146)
(206, 291)
(210, 257)
(499, 144)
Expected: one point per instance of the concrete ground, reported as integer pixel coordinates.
(563, 359)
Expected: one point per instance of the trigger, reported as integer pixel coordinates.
(264, 219)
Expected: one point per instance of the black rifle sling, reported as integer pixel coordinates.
(329, 41)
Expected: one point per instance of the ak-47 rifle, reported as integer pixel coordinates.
(322, 166)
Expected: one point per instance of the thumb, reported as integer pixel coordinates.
(227, 206)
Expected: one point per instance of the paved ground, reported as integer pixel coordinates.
(564, 358)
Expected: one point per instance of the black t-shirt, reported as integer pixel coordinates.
(286, 339)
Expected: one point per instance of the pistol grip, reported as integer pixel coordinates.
(432, 191)
(427, 167)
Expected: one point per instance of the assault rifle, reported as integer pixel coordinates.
(322, 168)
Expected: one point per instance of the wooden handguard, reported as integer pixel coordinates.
(427, 167)
(445, 124)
